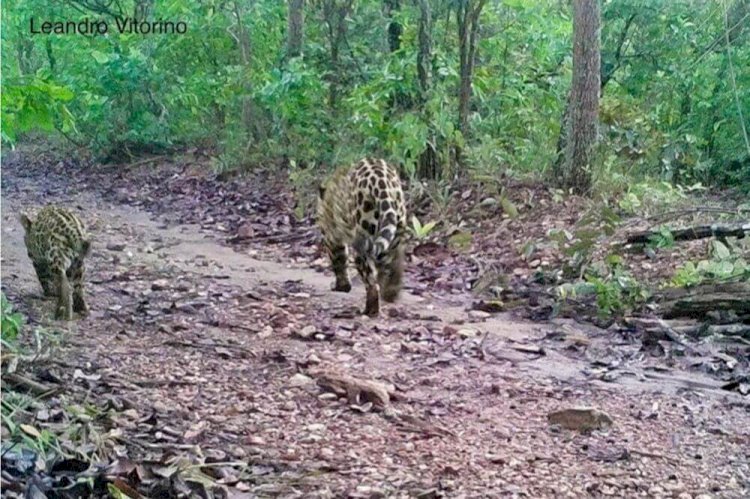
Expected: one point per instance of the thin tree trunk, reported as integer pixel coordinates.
(743, 127)
(399, 98)
(243, 41)
(467, 16)
(574, 169)
(335, 16)
(427, 166)
(295, 28)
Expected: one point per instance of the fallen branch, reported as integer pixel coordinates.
(658, 329)
(663, 217)
(692, 233)
(734, 330)
(698, 301)
(142, 162)
(654, 455)
(35, 387)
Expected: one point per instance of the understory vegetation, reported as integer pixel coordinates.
(383, 78)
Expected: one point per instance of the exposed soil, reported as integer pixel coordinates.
(212, 342)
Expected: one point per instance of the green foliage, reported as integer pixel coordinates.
(421, 231)
(664, 239)
(615, 289)
(670, 109)
(12, 322)
(723, 265)
(32, 103)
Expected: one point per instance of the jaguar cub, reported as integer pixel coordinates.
(57, 244)
(362, 207)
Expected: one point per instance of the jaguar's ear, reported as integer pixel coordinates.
(25, 221)
(321, 191)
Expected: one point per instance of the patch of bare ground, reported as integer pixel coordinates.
(227, 373)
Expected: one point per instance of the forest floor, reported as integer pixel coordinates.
(207, 362)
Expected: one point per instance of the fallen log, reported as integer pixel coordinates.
(691, 233)
(698, 301)
(738, 330)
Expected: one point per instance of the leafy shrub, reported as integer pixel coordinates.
(12, 322)
(32, 102)
(722, 266)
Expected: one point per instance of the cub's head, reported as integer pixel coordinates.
(27, 223)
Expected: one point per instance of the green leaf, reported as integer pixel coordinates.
(721, 252)
(100, 57)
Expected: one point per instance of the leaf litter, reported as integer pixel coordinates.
(192, 385)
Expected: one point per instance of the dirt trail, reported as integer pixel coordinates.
(207, 341)
(151, 243)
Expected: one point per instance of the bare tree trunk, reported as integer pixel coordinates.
(424, 54)
(335, 14)
(427, 166)
(467, 15)
(242, 37)
(295, 28)
(399, 98)
(573, 168)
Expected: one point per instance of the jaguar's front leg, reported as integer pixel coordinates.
(338, 263)
(64, 309)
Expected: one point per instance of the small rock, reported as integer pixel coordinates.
(215, 455)
(300, 379)
(255, 440)
(432, 493)
(467, 333)
(450, 330)
(159, 284)
(313, 359)
(311, 439)
(266, 332)
(535, 263)
(479, 314)
(580, 419)
(305, 332)
(367, 492)
(245, 231)
(488, 202)
(495, 458)
(115, 246)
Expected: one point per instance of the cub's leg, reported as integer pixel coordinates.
(45, 279)
(64, 303)
(76, 276)
(338, 263)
